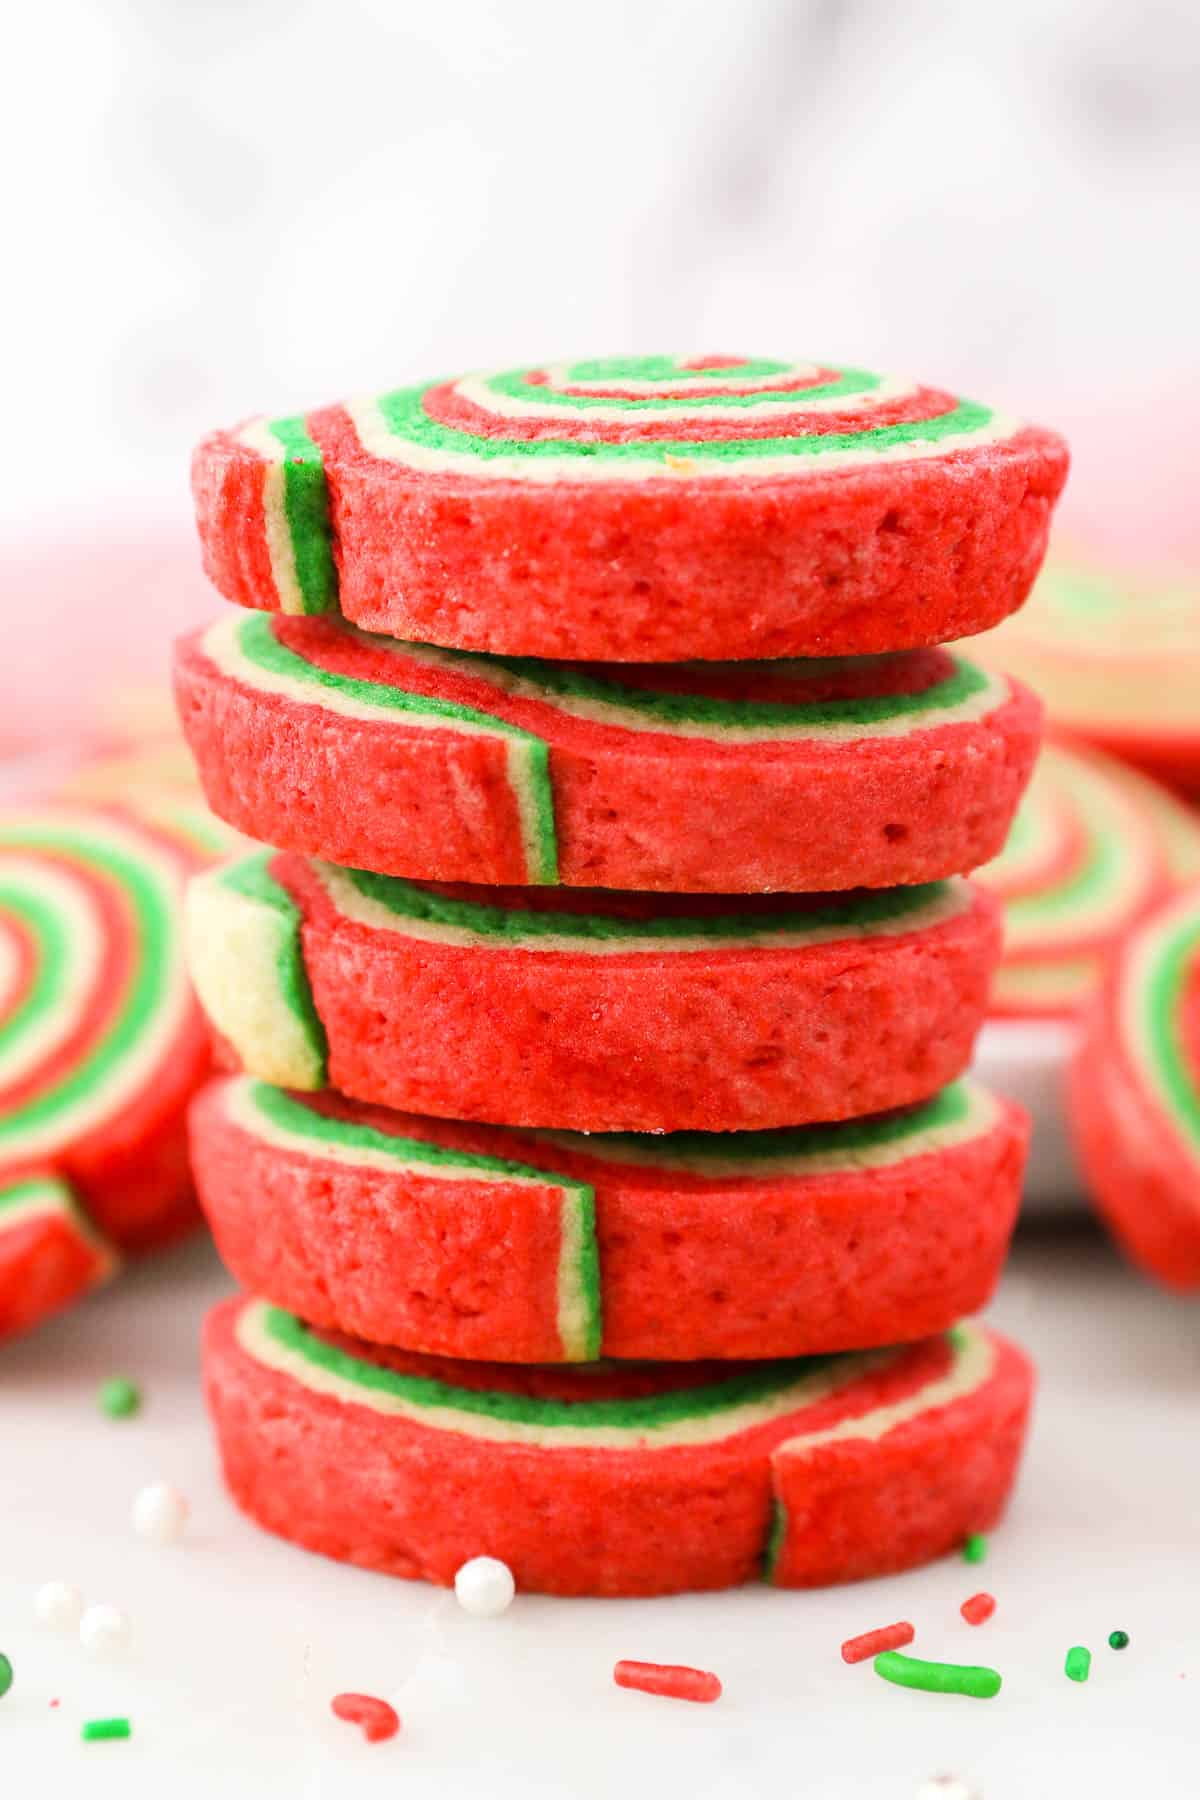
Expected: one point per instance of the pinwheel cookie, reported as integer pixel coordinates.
(451, 766)
(1135, 1093)
(1116, 652)
(591, 1011)
(639, 509)
(1092, 847)
(478, 1241)
(101, 1048)
(617, 1478)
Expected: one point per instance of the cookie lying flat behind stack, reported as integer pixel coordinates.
(101, 1049)
(1135, 1093)
(1116, 652)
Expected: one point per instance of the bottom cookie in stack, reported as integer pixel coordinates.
(615, 1479)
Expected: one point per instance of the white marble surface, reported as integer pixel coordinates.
(240, 1641)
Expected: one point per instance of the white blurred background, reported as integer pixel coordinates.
(216, 207)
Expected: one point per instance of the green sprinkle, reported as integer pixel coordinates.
(1079, 1663)
(1118, 1640)
(95, 1731)
(120, 1398)
(975, 1548)
(5, 1674)
(978, 1682)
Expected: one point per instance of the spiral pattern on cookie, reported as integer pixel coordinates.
(94, 998)
(636, 418)
(615, 1407)
(1082, 862)
(1158, 983)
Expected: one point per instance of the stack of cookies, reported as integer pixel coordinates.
(600, 1165)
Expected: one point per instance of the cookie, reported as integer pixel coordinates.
(1085, 858)
(591, 1011)
(1135, 1093)
(450, 766)
(477, 1241)
(638, 509)
(152, 779)
(615, 1479)
(101, 1042)
(1117, 655)
(50, 1256)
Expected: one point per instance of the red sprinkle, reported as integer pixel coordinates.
(978, 1608)
(888, 1637)
(673, 1679)
(377, 1718)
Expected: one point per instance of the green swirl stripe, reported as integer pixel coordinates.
(959, 685)
(148, 992)
(1157, 981)
(515, 384)
(637, 1415)
(406, 900)
(404, 414)
(603, 700)
(304, 1123)
(259, 643)
(959, 1113)
(48, 932)
(250, 879)
(667, 370)
(951, 1107)
(306, 506)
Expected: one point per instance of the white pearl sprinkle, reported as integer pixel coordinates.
(58, 1605)
(484, 1587)
(160, 1513)
(104, 1630)
(945, 1787)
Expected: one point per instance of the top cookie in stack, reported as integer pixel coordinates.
(638, 510)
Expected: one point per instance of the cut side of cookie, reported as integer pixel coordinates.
(644, 509)
(451, 766)
(476, 1241)
(1090, 851)
(591, 1011)
(615, 1479)
(50, 1254)
(101, 1042)
(1135, 1094)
